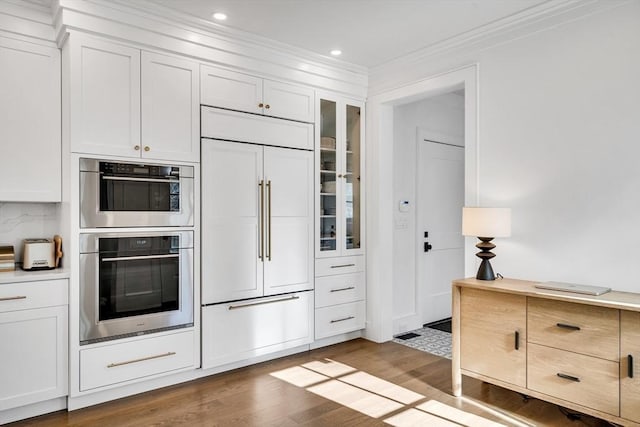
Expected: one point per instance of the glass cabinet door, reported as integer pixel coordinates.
(351, 178)
(328, 171)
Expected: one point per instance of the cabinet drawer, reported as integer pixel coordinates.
(241, 330)
(117, 363)
(340, 265)
(580, 328)
(340, 319)
(26, 295)
(587, 381)
(234, 126)
(340, 289)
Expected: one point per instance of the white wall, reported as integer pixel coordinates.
(442, 115)
(559, 122)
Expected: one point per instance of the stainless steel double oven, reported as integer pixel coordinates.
(135, 279)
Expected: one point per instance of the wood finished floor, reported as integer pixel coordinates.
(252, 397)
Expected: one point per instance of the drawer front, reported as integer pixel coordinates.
(340, 289)
(234, 126)
(26, 295)
(340, 265)
(245, 329)
(577, 378)
(580, 328)
(340, 319)
(117, 363)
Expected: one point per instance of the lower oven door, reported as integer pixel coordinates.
(126, 293)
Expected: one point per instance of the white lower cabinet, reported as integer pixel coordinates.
(33, 333)
(250, 328)
(117, 363)
(339, 296)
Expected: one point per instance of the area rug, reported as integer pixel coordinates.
(430, 340)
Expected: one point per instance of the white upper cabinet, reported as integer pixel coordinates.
(124, 102)
(170, 108)
(104, 103)
(243, 92)
(30, 164)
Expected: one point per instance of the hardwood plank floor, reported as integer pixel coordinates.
(252, 397)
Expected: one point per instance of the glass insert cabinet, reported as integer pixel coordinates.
(340, 177)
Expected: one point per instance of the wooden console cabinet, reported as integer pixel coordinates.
(577, 351)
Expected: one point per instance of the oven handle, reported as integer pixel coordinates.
(134, 258)
(126, 178)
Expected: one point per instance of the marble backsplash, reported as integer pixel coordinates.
(20, 221)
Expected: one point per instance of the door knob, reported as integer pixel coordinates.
(427, 247)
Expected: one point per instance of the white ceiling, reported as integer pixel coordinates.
(369, 32)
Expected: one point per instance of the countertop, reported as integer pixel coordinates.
(32, 276)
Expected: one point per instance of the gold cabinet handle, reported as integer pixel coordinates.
(137, 148)
(261, 105)
(269, 219)
(13, 298)
(343, 265)
(348, 288)
(147, 148)
(343, 319)
(142, 359)
(261, 232)
(267, 106)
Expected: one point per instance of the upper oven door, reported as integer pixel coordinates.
(135, 195)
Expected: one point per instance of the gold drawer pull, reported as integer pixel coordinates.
(235, 307)
(343, 265)
(13, 298)
(142, 359)
(566, 326)
(342, 289)
(343, 319)
(568, 377)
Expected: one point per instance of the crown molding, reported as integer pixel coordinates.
(465, 46)
(24, 18)
(150, 26)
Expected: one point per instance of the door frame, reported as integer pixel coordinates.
(422, 136)
(379, 175)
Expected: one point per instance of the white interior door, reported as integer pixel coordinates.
(232, 267)
(289, 247)
(440, 198)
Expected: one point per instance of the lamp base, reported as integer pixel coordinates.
(485, 272)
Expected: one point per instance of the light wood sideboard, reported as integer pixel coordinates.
(578, 351)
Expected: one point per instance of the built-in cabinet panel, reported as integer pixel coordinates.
(170, 108)
(257, 210)
(245, 329)
(30, 164)
(242, 92)
(234, 126)
(131, 103)
(104, 84)
(33, 330)
(493, 329)
(630, 365)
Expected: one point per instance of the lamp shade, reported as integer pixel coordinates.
(486, 222)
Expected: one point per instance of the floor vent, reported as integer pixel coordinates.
(407, 336)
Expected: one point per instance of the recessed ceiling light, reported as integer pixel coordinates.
(219, 16)
(336, 52)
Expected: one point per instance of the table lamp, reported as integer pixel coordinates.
(486, 224)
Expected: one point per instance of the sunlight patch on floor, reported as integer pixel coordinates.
(376, 397)
(383, 388)
(414, 418)
(329, 368)
(299, 376)
(355, 398)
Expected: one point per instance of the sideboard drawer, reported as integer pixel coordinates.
(339, 265)
(339, 319)
(120, 362)
(580, 328)
(577, 378)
